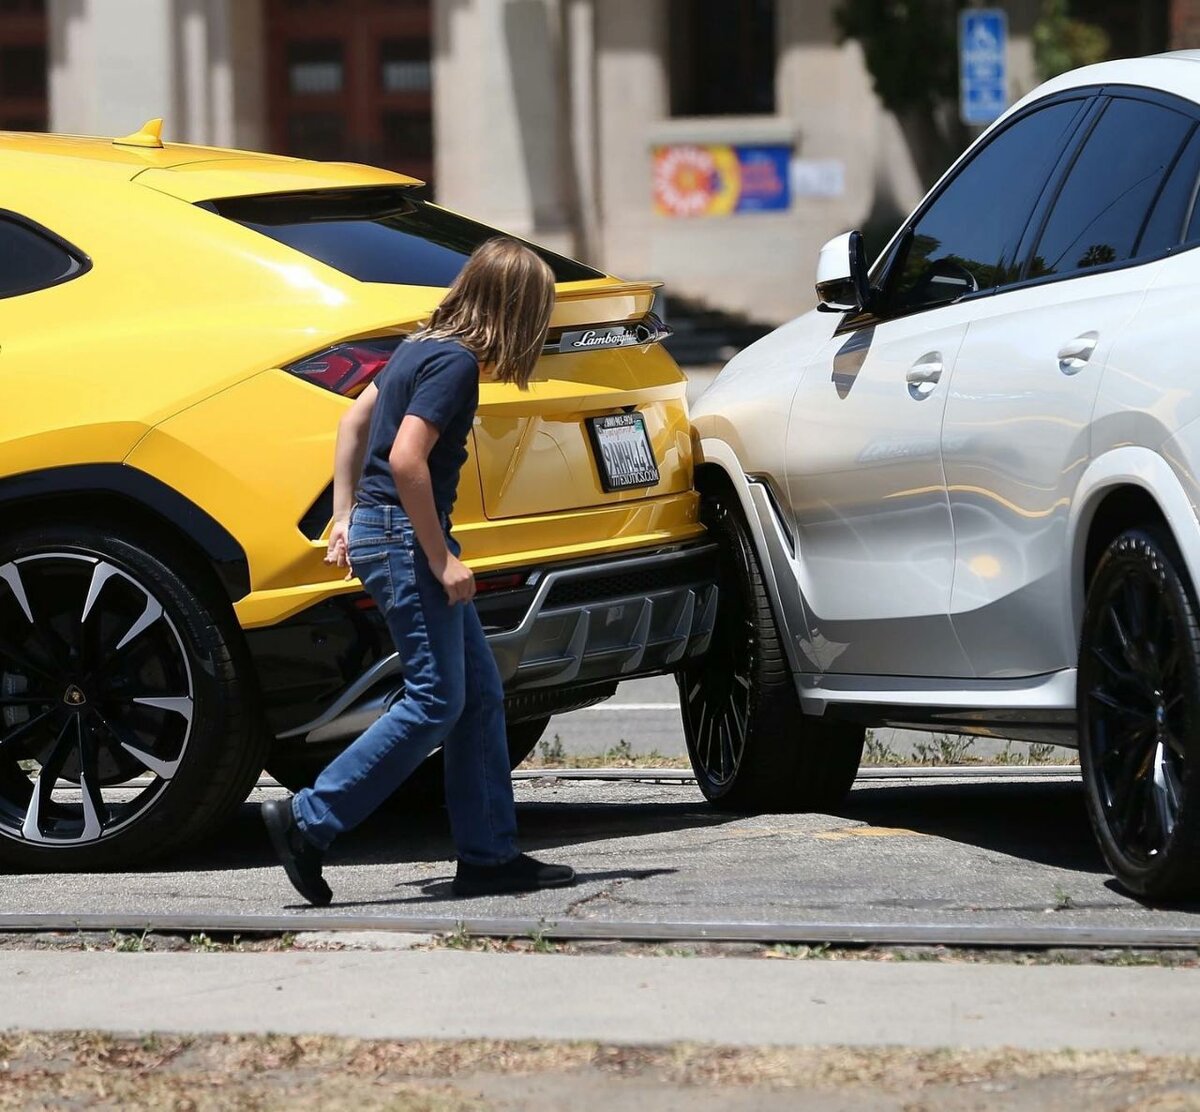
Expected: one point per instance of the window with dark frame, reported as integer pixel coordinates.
(723, 57)
(31, 261)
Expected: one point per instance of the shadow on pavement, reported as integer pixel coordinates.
(1046, 823)
(391, 836)
(438, 890)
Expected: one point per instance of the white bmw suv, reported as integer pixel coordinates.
(963, 493)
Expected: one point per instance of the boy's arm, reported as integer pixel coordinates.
(349, 454)
(409, 459)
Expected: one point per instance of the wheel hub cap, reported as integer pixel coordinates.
(74, 697)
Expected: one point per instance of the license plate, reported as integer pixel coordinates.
(623, 452)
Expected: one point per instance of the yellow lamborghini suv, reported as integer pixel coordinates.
(180, 329)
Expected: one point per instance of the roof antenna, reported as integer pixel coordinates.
(149, 135)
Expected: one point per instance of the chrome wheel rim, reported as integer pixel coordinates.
(716, 690)
(1135, 680)
(96, 699)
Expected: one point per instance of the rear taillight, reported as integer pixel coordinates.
(347, 369)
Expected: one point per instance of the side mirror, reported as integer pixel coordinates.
(842, 282)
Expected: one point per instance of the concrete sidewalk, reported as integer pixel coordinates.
(615, 999)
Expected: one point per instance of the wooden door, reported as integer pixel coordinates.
(23, 66)
(350, 80)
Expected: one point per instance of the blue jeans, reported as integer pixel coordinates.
(452, 697)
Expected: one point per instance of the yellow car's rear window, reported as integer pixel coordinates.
(376, 234)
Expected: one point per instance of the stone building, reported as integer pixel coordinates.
(712, 144)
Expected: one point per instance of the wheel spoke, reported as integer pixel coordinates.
(26, 701)
(1118, 628)
(1133, 762)
(1128, 793)
(10, 741)
(127, 740)
(21, 660)
(1166, 793)
(727, 738)
(1122, 675)
(181, 704)
(1174, 743)
(1118, 707)
(1135, 607)
(94, 808)
(10, 574)
(101, 574)
(43, 784)
(150, 615)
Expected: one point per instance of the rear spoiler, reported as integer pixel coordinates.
(594, 317)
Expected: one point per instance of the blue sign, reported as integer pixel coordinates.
(983, 64)
(766, 184)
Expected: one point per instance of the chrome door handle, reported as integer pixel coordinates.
(1073, 357)
(924, 375)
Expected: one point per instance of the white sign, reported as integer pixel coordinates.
(983, 65)
(816, 177)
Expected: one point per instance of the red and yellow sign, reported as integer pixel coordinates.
(717, 180)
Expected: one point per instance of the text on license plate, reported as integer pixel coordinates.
(623, 451)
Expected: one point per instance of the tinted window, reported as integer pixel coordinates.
(1098, 217)
(376, 235)
(1164, 229)
(30, 261)
(968, 238)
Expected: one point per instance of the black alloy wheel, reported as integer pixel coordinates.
(1139, 702)
(750, 745)
(124, 733)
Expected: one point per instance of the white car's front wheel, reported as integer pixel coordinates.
(751, 747)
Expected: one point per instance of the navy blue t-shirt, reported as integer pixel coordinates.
(439, 381)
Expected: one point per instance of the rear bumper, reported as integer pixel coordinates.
(584, 625)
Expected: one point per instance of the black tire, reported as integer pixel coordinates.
(750, 745)
(1139, 715)
(168, 699)
(298, 765)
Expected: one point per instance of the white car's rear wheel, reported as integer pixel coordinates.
(750, 745)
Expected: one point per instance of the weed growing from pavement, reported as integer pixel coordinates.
(128, 943)
(458, 939)
(551, 753)
(802, 951)
(1062, 899)
(943, 749)
(939, 750)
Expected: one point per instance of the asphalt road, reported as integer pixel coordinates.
(1007, 852)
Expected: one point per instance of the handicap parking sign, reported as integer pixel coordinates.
(983, 64)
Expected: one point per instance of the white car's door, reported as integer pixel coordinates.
(868, 501)
(1018, 417)
(866, 487)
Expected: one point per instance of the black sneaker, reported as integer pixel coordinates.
(522, 874)
(297, 854)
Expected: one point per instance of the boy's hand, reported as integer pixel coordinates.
(457, 579)
(338, 552)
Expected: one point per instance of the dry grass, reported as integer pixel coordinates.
(201, 1074)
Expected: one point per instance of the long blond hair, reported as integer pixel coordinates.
(499, 308)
